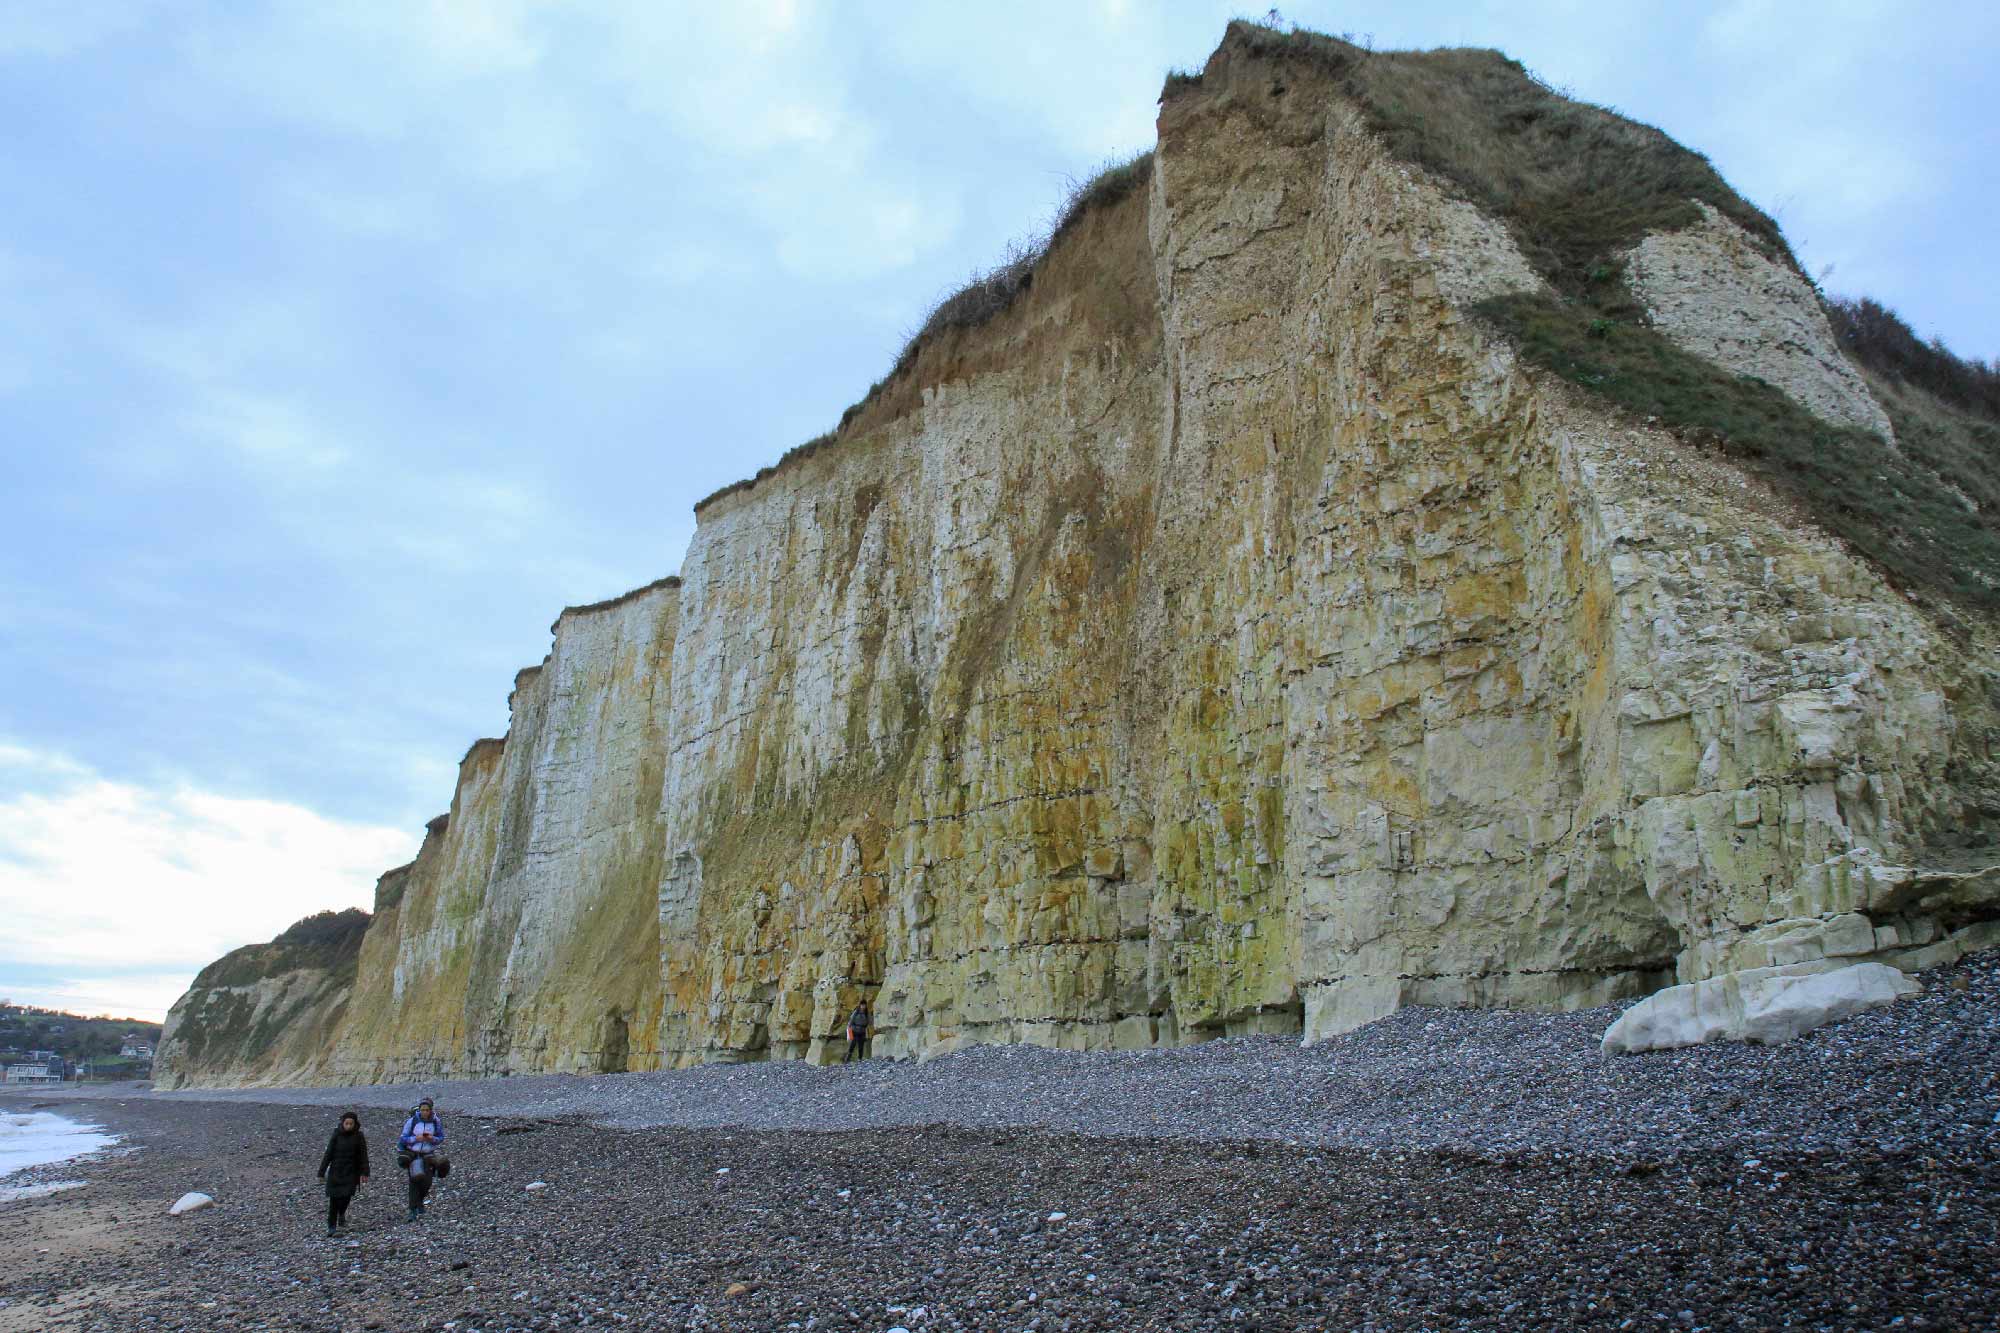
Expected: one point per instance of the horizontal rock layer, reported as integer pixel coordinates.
(1229, 636)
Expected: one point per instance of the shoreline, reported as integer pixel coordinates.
(26, 1145)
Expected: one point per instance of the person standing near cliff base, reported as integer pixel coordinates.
(344, 1168)
(419, 1153)
(858, 1024)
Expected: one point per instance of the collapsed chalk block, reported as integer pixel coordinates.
(1764, 1005)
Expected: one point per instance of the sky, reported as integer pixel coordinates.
(342, 345)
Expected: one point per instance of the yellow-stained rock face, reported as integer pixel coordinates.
(1230, 636)
(259, 1015)
(524, 937)
(523, 942)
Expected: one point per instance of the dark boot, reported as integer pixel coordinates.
(419, 1187)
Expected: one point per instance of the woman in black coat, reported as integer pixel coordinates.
(343, 1168)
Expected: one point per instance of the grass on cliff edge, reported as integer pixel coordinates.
(1577, 186)
(1898, 509)
(225, 1020)
(326, 940)
(982, 298)
(1573, 182)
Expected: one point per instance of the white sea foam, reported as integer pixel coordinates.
(9, 1193)
(36, 1138)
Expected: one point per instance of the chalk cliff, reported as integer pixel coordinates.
(260, 1014)
(524, 937)
(1239, 631)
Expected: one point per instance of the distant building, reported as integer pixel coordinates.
(136, 1048)
(34, 1075)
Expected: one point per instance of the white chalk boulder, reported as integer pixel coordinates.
(190, 1202)
(1764, 1004)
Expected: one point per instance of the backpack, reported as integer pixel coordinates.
(436, 1163)
(440, 1167)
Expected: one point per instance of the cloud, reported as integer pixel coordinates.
(136, 994)
(341, 344)
(113, 889)
(476, 36)
(1067, 90)
(749, 109)
(266, 430)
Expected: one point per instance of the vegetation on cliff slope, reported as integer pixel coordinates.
(991, 292)
(327, 941)
(1946, 414)
(1885, 346)
(1578, 186)
(1573, 182)
(1923, 512)
(982, 298)
(225, 1021)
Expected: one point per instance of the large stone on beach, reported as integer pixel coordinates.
(191, 1202)
(1767, 1005)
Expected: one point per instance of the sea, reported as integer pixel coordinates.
(37, 1138)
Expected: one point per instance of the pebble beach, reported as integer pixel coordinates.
(1438, 1169)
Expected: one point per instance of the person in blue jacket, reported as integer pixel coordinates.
(420, 1142)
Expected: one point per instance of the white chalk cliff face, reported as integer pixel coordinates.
(1231, 636)
(524, 936)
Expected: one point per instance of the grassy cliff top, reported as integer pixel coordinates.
(1575, 183)
(325, 940)
(1578, 186)
(978, 302)
(671, 581)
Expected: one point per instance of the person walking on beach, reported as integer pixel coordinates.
(858, 1024)
(417, 1147)
(344, 1168)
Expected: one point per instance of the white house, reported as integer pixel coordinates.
(33, 1075)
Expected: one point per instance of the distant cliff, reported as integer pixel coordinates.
(262, 1012)
(1411, 539)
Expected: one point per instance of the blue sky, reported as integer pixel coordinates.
(342, 345)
